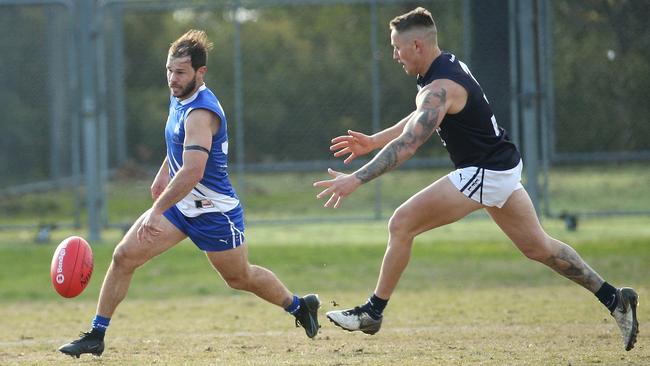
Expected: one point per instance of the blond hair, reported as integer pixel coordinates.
(416, 18)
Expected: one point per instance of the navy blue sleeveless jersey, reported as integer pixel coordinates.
(472, 136)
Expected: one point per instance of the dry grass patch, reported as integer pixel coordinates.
(493, 326)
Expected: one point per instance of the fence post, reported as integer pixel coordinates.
(376, 97)
(88, 72)
(239, 103)
(529, 100)
(117, 58)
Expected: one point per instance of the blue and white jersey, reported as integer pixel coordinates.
(214, 193)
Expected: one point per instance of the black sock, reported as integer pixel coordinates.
(375, 306)
(607, 296)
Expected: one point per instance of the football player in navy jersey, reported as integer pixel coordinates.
(193, 198)
(451, 103)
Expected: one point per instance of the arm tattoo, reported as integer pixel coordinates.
(415, 134)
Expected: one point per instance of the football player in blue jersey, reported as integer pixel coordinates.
(193, 198)
(451, 103)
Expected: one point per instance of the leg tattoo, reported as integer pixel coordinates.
(568, 263)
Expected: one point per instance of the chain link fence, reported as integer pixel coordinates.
(599, 137)
(288, 86)
(293, 74)
(39, 148)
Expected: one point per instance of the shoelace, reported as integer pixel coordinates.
(298, 315)
(359, 310)
(356, 311)
(83, 336)
(305, 315)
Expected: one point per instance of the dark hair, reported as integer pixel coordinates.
(418, 17)
(193, 43)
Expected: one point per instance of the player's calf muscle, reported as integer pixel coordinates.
(567, 262)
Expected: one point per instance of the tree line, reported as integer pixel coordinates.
(308, 75)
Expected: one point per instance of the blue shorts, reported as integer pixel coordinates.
(211, 231)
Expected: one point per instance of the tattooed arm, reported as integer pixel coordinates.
(432, 102)
(356, 144)
(431, 105)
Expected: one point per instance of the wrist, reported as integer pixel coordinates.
(374, 141)
(157, 210)
(360, 177)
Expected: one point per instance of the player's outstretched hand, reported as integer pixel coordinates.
(338, 188)
(354, 143)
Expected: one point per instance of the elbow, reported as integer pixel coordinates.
(410, 151)
(193, 175)
(197, 175)
(406, 145)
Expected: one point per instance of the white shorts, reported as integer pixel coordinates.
(487, 187)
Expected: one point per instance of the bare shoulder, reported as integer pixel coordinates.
(201, 118)
(442, 92)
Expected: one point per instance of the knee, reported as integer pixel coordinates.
(399, 226)
(123, 260)
(238, 281)
(537, 249)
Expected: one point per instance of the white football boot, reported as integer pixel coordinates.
(355, 319)
(625, 315)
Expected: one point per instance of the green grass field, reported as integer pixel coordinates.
(290, 196)
(468, 298)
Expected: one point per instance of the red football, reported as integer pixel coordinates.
(72, 266)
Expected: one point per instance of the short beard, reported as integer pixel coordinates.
(187, 91)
